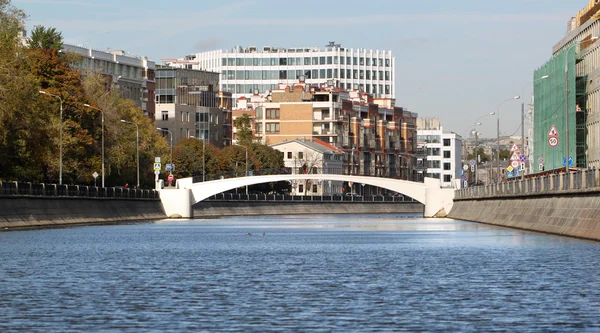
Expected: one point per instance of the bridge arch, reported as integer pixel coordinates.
(178, 202)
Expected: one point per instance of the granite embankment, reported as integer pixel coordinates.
(239, 208)
(575, 214)
(33, 211)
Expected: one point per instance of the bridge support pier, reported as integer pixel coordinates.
(177, 203)
(438, 201)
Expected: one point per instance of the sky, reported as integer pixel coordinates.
(455, 60)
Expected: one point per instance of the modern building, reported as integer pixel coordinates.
(250, 70)
(133, 75)
(571, 105)
(312, 157)
(443, 151)
(377, 137)
(189, 104)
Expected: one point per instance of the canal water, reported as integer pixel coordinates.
(328, 273)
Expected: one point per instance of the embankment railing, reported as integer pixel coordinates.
(580, 180)
(12, 188)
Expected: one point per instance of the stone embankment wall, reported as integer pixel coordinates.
(237, 208)
(573, 214)
(25, 212)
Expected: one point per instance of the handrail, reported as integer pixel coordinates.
(13, 188)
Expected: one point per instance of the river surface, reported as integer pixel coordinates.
(326, 273)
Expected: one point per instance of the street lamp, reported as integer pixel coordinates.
(476, 155)
(60, 164)
(498, 133)
(246, 163)
(102, 112)
(567, 99)
(137, 146)
(523, 116)
(171, 158)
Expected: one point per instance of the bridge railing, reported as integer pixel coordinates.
(12, 188)
(580, 180)
(311, 198)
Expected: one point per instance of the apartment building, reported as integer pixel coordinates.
(252, 70)
(134, 76)
(443, 151)
(373, 133)
(189, 105)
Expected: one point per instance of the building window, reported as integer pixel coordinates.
(342, 60)
(447, 178)
(329, 73)
(314, 188)
(368, 61)
(300, 188)
(387, 62)
(354, 61)
(446, 154)
(446, 142)
(289, 155)
(322, 74)
(329, 60)
(165, 115)
(307, 61)
(272, 113)
(272, 127)
(300, 155)
(446, 166)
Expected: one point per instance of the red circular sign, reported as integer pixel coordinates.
(553, 141)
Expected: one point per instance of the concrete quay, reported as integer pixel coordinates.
(561, 204)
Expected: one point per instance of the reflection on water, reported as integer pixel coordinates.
(342, 273)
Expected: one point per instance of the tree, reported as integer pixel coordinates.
(482, 155)
(45, 38)
(504, 154)
(243, 124)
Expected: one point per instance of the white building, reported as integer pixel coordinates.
(443, 151)
(312, 157)
(245, 71)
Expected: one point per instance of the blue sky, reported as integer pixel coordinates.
(455, 60)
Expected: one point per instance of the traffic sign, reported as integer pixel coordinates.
(170, 167)
(157, 172)
(465, 167)
(553, 141)
(463, 177)
(514, 157)
(514, 148)
(553, 133)
(461, 172)
(541, 160)
(472, 168)
(570, 161)
(472, 162)
(523, 158)
(95, 175)
(510, 168)
(541, 167)
(157, 160)
(564, 161)
(514, 164)
(509, 174)
(156, 166)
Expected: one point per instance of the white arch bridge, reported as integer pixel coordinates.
(178, 202)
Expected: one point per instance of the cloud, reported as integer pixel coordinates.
(206, 44)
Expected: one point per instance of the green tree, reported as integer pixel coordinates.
(45, 38)
(504, 154)
(482, 155)
(243, 124)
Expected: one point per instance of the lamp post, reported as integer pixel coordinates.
(171, 158)
(102, 112)
(567, 99)
(137, 146)
(246, 164)
(498, 133)
(60, 164)
(476, 155)
(523, 115)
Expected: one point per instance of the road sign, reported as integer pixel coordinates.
(523, 158)
(570, 161)
(463, 177)
(541, 160)
(522, 168)
(541, 167)
(514, 148)
(472, 168)
(472, 162)
(514, 164)
(466, 184)
(564, 161)
(553, 141)
(461, 172)
(514, 157)
(157, 172)
(553, 133)
(156, 166)
(157, 160)
(170, 167)
(95, 175)
(465, 167)
(510, 168)
(509, 174)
